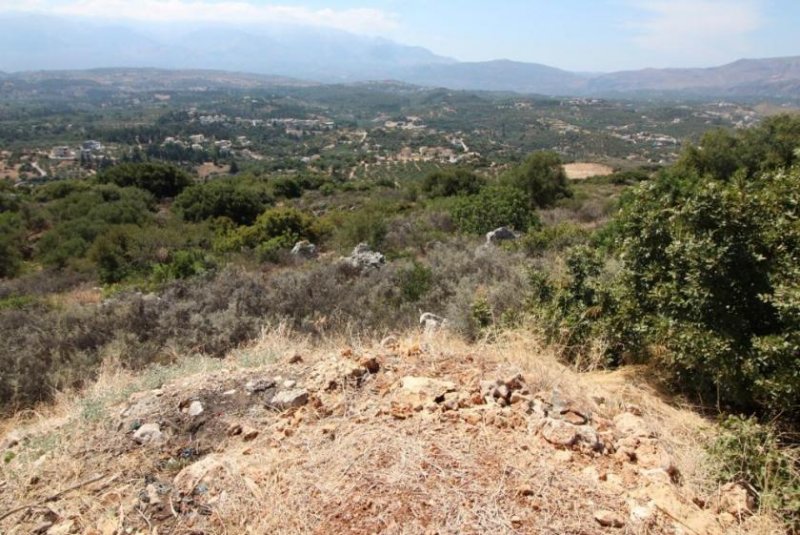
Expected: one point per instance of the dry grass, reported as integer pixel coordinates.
(346, 463)
(583, 170)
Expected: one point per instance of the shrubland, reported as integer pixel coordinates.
(691, 271)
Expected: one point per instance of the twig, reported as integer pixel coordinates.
(676, 519)
(52, 498)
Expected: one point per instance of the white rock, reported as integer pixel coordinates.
(289, 399)
(148, 434)
(195, 408)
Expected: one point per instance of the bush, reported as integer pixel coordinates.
(162, 180)
(711, 274)
(275, 230)
(753, 453)
(541, 179)
(493, 207)
(236, 199)
(452, 182)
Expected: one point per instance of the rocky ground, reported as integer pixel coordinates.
(417, 435)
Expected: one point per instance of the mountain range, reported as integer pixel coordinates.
(33, 43)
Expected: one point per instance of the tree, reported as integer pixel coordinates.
(451, 182)
(162, 180)
(541, 178)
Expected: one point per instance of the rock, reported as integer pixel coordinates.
(289, 399)
(289, 384)
(304, 249)
(608, 519)
(334, 373)
(248, 433)
(425, 389)
(567, 435)
(630, 424)
(500, 234)
(736, 499)
(296, 359)
(364, 259)
(195, 408)
(205, 471)
(148, 434)
(431, 322)
(254, 386)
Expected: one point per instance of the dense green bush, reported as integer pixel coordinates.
(239, 200)
(493, 207)
(452, 182)
(540, 178)
(162, 180)
(81, 216)
(11, 230)
(273, 231)
(711, 271)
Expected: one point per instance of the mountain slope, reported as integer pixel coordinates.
(501, 75)
(743, 77)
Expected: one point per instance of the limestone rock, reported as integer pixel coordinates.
(304, 249)
(431, 322)
(425, 389)
(499, 235)
(567, 435)
(206, 470)
(148, 434)
(195, 409)
(289, 399)
(364, 259)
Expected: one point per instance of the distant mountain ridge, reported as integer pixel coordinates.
(290, 54)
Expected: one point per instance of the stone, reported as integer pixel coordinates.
(735, 499)
(289, 384)
(364, 259)
(304, 249)
(254, 386)
(425, 389)
(630, 424)
(608, 519)
(289, 399)
(431, 322)
(499, 235)
(204, 472)
(296, 359)
(567, 435)
(148, 434)
(334, 373)
(195, 408)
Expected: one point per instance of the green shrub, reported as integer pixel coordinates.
(711, 273)
(162, 180)
(753, 453)
(452, 182)
(239, 200)
(415, 281)
(367, 225)
(541, 179)
(275, 230)
(493, 207)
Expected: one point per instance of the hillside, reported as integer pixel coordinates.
(417, 434)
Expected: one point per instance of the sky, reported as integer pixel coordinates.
(579, 35)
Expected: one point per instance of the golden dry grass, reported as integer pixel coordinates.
(347, 462)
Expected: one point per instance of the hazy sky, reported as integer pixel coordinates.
(587, 35)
